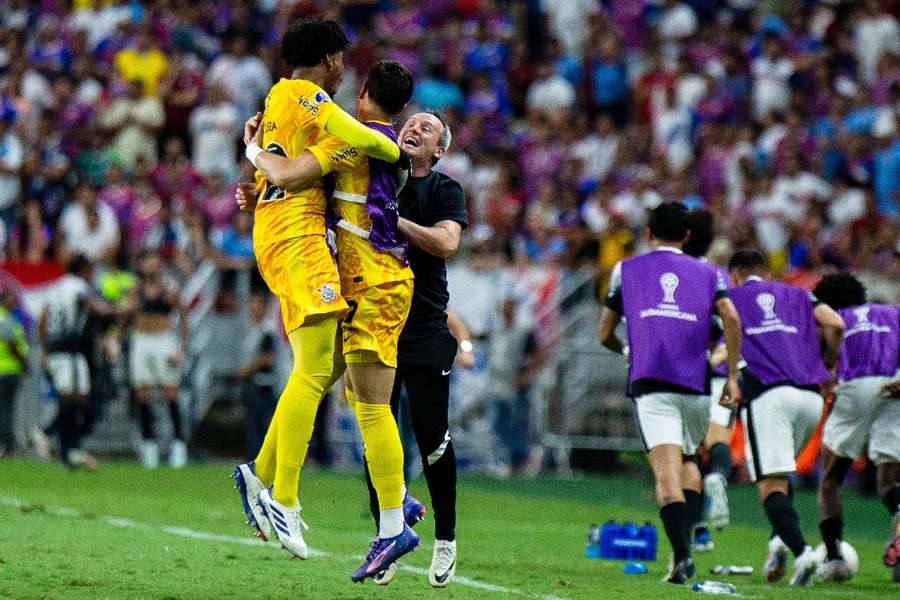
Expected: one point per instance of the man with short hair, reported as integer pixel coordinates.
(865, 413)
(782, 328)
(668, 300)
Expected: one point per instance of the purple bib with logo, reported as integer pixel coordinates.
(667, 299)
(870, 343)
(781, 340)
(382, 201)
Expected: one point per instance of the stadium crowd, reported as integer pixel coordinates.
(120, 125)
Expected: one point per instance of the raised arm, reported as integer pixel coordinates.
(365, 139)
(289, 173)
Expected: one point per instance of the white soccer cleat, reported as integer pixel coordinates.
(714, 486)
(805, 567)
(249, 488)
(776, 560)
(178, 455)
(286, 523)
(443, 563)
(149, 452)
(386, 576)
(835, 570)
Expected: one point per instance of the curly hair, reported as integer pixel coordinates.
(840, 290)
(306, 42)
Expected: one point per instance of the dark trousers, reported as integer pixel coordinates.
(74, 421)
(9, 385)
(428, 391)
(260, 402)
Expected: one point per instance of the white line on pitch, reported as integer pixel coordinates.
(64, 511)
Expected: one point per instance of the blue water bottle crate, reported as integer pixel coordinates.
(625, 541)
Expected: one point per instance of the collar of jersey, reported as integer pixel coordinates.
(669, 249)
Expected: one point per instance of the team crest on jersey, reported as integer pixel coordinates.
(766, 302)
(321, 98)
(669, 283)
(862, 314)
(327, 293)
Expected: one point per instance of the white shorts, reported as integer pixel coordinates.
(718, 414)
(69, 374)
(151, 359)
(670, 418)
(777, 425)
(861, 414)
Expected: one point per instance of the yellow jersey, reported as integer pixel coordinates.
(360, 266)
(294, 118)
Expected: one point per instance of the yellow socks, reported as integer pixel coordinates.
(292, 424)
(384, 452)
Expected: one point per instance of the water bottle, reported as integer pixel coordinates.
(715, 587)
(732, 570)
(634, 568)
(592, 547)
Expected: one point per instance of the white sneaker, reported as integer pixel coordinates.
(443, 563)
(834, 570)
(80, 458)
(386, 576)
(149, 452)
(805, 567)
(776, 560)
(178, 455)
(249, 488)
(286, 523)
(714, 485)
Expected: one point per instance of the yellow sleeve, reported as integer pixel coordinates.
(365, 139)
(335, 154)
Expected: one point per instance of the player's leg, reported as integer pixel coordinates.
(695, 423)
(884, 451)
(831, 518)
(718, 444)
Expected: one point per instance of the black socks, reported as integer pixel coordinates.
(892, 500)
(832, 533)
(675, 519)
(720, 460)
(785, 521)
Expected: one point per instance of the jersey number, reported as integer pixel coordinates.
(273, 192)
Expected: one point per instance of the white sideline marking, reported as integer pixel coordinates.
(65, 511)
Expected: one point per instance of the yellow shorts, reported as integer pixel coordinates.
(302, 274)
(372, 326)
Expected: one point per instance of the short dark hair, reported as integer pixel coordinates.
(840, 290)
(747, 258)
(390, 85)
(78, 264)
(669, 222)
(700, 224)
(306, 42)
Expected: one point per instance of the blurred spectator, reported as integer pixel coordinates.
(134, 120)
(436, 92)
(609, 80)
(12, 156)
(143, 62)
(88, 227)
(550, 91)
(257, 375)
(876, 33)
(99, 20)
(212, 126)
(46, 168)
(235, 243)
(244, 77)
(13, 362)
(180, 89)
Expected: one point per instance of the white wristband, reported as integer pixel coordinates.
(252, 151)
(466, 346)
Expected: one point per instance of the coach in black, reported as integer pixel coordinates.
(432, 217)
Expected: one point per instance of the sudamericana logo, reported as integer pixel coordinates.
(669, 283)
(766, 302)
(862, 314)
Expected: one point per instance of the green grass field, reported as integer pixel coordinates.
(126, 533)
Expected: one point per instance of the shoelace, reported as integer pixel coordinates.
(374, 548)
(444, 557)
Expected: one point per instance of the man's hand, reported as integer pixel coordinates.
(246, 197)
(719, 355)
(465, 360)
(731, 393)
(252, 128)
(891, 389)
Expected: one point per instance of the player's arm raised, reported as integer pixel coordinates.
(831, 330)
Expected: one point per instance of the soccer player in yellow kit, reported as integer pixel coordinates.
(295, 261)
(376, 280)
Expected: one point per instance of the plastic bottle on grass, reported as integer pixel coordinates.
(715, 587)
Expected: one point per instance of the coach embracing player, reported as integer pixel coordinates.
(432, 217)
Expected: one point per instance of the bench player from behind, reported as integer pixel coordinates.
(668, 300)
(782, 327)
(866, 409)
(376, 281)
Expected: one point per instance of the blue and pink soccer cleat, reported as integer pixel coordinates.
(385, 552)
(413, 510)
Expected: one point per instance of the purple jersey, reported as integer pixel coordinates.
(781, 339)
(382, 201)
(667, 299)
(870, 342)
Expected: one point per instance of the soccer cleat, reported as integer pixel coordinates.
(149, 451)
(249, 488)
(714, 486)
(286, 523)
(834, 570)
(384, 552)
(178, 455)
(804, 568)
(443, 563)
(386, 576)
(413, 510)
(776, 560)
(892, 549)
(703, 541)
(680, 571)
